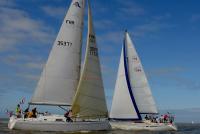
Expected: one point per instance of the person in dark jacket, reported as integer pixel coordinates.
(68, 116)
(34, 111)
(26, 112)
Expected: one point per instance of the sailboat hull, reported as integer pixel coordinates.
(144, 126)
(56, 123)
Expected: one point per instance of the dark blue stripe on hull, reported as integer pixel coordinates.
(129, 85)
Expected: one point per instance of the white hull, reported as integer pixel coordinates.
(46, 123)
(125, 125)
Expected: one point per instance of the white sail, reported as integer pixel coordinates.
(60, 76)
(122, 105)
(138, 80)
(89, 101)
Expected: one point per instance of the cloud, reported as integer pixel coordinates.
(4, 77)
(56, 12)
(19, 81)
(113, 37)
(165, 16)
(133, 11)
(21, 39)
(195, 18)
(174, 76)
(5, 3)
(104, 24)
(28, 61)
(166, 71)
(103, 7)
(20, 71)
(150, 28)
(130, 8)
(153, 25)
(29, 77)
(186, 83)
(197, 110)
(32, 65)
(17, 28)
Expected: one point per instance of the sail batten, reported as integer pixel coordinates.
(60, 76)
(89, 100)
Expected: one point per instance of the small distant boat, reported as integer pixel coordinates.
(132, 95)
(61, 85)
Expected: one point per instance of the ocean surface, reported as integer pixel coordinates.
(183, 128)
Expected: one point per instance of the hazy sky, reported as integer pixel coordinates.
(166, 35)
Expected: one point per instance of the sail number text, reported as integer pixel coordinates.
(64, 43)
(138, 69)
(93, 51)
(92, 38)
(71, 22)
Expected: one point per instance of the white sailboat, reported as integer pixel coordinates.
(60, 84)
(132, 90)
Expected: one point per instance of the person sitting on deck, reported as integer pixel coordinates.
(146, 117)
(18, 111)
(68, 116)
(166, 118)
(171, 119)
(34, 111)
(30, 114)
(26, 112)
(161, 119)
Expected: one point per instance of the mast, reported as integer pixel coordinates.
(60, 76)
(89, 101)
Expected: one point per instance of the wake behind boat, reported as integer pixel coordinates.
(62, 85)
(132, 96)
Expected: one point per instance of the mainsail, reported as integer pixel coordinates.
(89, 101)
(60, 76)
(138, 80)
(132, 95)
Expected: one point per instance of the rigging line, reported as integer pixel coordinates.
(63, 108)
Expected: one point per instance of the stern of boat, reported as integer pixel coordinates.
(12, 122)
(173, 127)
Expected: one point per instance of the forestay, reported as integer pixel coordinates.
(89, 101)
(60, 76)
(138, 80)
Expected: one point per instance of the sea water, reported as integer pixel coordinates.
(183, 128)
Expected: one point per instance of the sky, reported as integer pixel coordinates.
(166, 35)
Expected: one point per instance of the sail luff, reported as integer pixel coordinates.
(141, 89)
(60, 76)
(89, 100)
